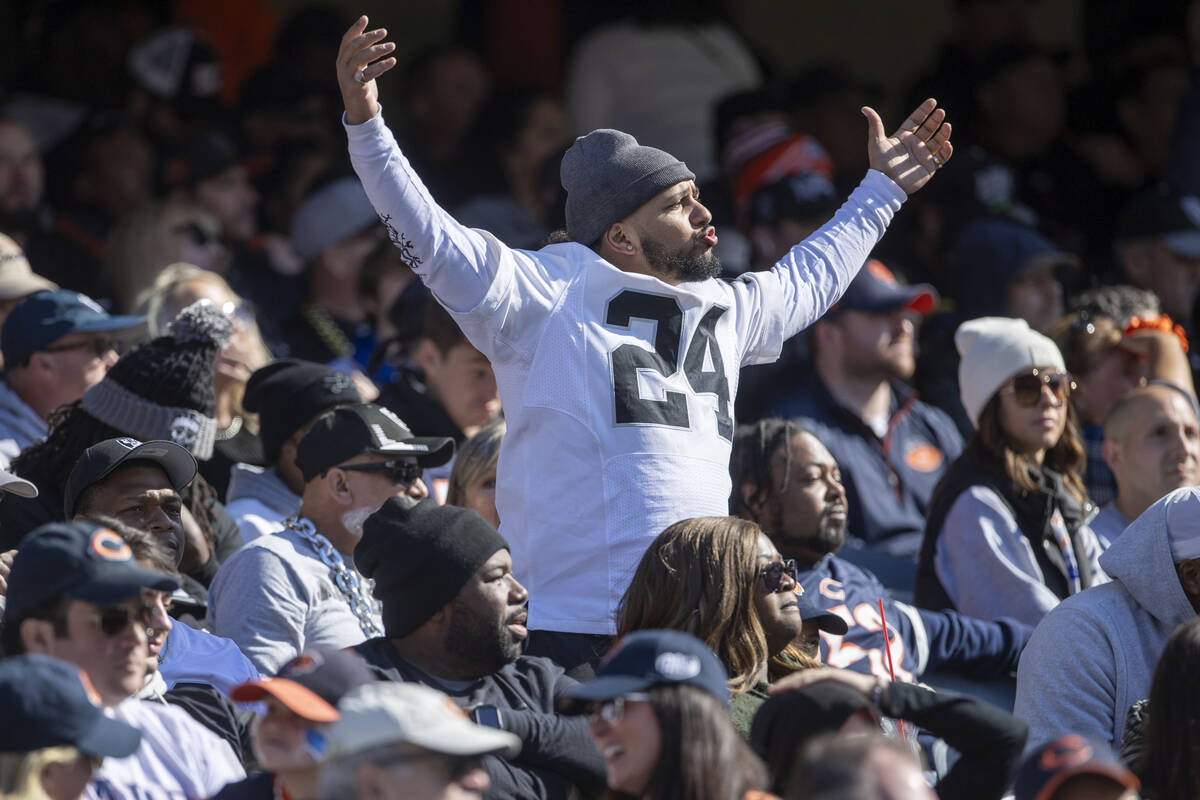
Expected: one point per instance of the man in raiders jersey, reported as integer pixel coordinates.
(617, 354)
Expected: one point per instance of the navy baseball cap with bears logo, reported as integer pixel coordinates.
(46, 702)
(349, 431)
(1054, 763)
(44, 317)
(311, 684)
(81, 560)
(103, 458)
(876, 290)
(651, 658)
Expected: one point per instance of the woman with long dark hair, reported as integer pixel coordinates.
(722, 580)
(1170, 765)
(658, 717)
(1006, 531)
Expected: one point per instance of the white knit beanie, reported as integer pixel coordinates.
(992, 350)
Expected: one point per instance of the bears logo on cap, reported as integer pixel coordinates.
(305, 663)
(109, 546)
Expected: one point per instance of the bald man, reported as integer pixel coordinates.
(1152, 446)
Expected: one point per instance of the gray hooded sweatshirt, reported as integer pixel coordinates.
(1094, 655)
(20, 426)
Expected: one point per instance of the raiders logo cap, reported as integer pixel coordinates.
(351, 431)
(100, 460)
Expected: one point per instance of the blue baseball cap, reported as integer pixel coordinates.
(826, 620)
(876, 290)
(45, 702)
(44, 317)
(651, 658)
(1054, 763)
(312, 684)
(81, 560)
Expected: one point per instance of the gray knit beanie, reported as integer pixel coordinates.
(608, 176)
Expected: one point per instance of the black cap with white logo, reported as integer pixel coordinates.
(351, 431)
(100, 460)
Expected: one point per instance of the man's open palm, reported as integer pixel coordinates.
(915, 151)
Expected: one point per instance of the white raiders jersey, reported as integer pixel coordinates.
(617, 388)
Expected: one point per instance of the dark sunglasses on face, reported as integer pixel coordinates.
(401, 473)
(1027, 389)
(772, 574)
(115, 619)
(613, 711)
(100, 346)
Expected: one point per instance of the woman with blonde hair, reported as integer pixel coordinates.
(158, 234)
(722, 580)
(473, 476)
(175, 288)
(55, 733)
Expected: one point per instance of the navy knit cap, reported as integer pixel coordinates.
(420, 556)
(608, 176)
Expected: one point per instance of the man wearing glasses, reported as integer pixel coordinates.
(299, 589)
(56, 345)
(76, 594)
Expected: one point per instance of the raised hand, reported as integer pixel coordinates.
(918, 148)
(358, 65)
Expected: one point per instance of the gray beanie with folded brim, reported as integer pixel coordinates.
(994, 349)
(608, 176)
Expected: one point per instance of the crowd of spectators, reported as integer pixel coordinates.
(629, 432)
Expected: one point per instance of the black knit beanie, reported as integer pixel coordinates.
(163, 389)
(289, 392)
(786, 721)
(420, 556)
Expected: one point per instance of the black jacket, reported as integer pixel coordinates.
(556, 752)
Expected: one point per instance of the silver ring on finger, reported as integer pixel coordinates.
(360, 76)
(937, 162)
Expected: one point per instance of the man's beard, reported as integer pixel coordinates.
(696, 264)
(827, 536)
(486, 644)
(354, 519)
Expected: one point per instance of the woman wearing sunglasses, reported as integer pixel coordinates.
(722, 580)
(1006, 531)
(658, 716)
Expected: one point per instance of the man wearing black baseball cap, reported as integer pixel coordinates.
(454, 619)
(890, 446)
(56, 344)
(75, 593)
(1157, 245)
(299, 588)
(288, 395)
(47, 703)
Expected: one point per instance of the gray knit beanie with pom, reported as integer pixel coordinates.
(163, 389)
(608, 176)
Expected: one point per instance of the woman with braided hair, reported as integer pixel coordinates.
(163, 389)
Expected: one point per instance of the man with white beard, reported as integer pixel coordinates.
(299, 589)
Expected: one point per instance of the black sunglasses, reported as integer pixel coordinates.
(100, 345)
(772, 574)
(115, 619)
(1027, 389)
(404, 473)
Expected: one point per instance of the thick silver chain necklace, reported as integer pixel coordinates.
(345, 579)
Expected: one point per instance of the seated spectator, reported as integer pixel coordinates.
(162, 389)
(138, 484)
(74, 593)
(658, 716)
(404, 740)
(333, 231)
(1002, 269)
(863, 767)
(1168, 764)
(54, 732)
(300, 589)
(472, 481)
(1007, 532)
(831, 701)
(301, 702)
(721, 580)
(1106, 365)
(452, 391)
(56, 344)
(17, 279)
(890, 446)
(288, 395)
(1094, 655)
(176, 288)
(22, 185)
(1074, 768)
(1157, 244)
(1152, 446)
(454, 619)
(785, 480)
